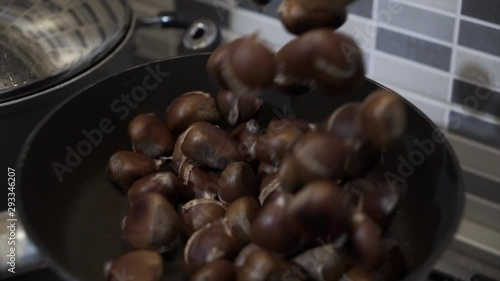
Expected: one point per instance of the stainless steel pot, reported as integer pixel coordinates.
(45, 42)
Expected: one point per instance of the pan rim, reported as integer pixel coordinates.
(418, 272)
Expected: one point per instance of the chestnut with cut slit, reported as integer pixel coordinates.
(152, 223)
(383, 117)
(237, 108)
(214, 241)
(165, 184)
(331, 59)
(208, 145)
(274, 144)
(126, 167)
(246, 136)
(196, 182)
(236, 181)
(150, 136)
(200, 212)
(142, 265)
(189, 108)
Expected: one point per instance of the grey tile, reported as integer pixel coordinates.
(445, 5)
(476, 129)
(476, 98)
(197, 9)
(415, 49)
(488, 10)
(479, 37)
(418, 20)
(270, 10)
(362, 8)
(482, 187)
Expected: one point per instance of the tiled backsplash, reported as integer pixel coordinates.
(444, 55)
(441, 55)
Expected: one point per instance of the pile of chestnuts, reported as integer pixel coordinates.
(287, 200)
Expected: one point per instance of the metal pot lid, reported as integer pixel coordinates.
(43, 42)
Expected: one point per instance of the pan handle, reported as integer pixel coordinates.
(25, 256)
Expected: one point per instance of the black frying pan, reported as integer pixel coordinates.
(75, 222)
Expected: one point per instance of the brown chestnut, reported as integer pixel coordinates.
(393, 264)
(165, 184)
(237, 108)
(190, 108)
(321, 209)
(236, 181)
(200, 212)
(217, 59)
(365, 241)
(272, 229)
(140, 265)
(208, 145)
(213, 242)
(270, 189)
(249, 66)
(383, 117)
(246, 136)
(325, 262)
(262, 265)
(361, 156)
(150, 136)
(332, 60)
(152, 223)
(126, 167)
(219, 270)
(273, 145)
(197, 182)
(178, 157)
(378, 200)
(240, 216)
(242, 257)
(297, 19)
(317, 155)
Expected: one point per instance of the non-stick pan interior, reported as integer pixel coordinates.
(75, 218)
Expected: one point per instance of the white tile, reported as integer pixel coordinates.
(410, 77)
(445, 5)
(361, 30)
(481, 69)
